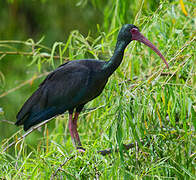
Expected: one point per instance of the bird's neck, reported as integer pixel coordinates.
(116, 59)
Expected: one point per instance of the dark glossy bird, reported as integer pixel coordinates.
(75, 83)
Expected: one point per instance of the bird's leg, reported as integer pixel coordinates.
(71, 127)
(73, 130)
(79, 145)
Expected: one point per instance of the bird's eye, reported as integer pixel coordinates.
(134, 30)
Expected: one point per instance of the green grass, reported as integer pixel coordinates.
(143, 103)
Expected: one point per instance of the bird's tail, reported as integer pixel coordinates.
(27, 108)
(34, 111)
(39, 117)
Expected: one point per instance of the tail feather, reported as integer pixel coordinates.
(39, 117)
(27, 107)
(21, 121)
(36, 110)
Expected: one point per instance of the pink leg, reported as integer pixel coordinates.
(73, 130)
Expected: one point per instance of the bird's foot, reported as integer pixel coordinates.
(80, 149)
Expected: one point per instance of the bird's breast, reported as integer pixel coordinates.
(93, 89)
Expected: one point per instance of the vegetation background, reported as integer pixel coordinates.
(143, 103)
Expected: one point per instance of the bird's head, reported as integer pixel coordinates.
(130, 32)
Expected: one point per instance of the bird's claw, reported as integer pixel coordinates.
(80, 150)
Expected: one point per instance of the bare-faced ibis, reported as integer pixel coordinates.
(75, 83)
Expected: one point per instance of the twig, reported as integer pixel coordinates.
(126, 147)
(27, 133)
(147, 76)
(25, 43)
(31, 54)
(9, 122)
(180, 65)
(183, 48)
(60, 167)
(23, 84)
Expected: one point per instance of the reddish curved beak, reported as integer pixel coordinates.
(136, 35)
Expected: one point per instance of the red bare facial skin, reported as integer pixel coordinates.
(136, 35)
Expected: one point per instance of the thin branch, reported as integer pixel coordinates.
(25, 43)
(9, 122)
(179, 66)
(126, 147)
(27, 133)
(147, 76)
(60, 167)
(183, 48)
(23, 84)
(31, 54)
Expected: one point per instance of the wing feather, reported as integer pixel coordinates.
(62, 89)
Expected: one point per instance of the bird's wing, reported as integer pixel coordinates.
(66, 85)
(62, 88)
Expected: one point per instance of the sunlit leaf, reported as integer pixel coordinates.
(183, 8)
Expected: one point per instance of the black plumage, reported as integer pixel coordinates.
(75, 83)
(70, 86)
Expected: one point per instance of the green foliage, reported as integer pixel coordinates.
(143, 103)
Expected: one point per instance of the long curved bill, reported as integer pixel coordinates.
(136, 35)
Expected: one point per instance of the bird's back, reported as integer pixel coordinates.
(70, 85)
